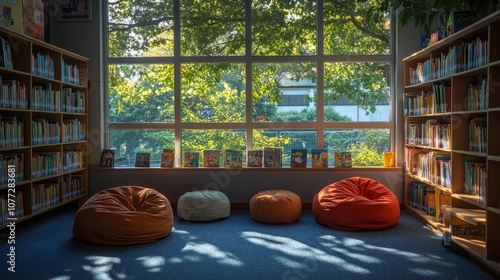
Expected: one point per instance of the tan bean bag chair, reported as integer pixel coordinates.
(275, 207)
(355, 204)
(124, 215)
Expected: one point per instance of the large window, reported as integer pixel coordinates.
(248, 74)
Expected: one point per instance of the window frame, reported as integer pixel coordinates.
(248, 59)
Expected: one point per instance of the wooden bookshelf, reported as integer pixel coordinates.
(472, 115)
(43, 132)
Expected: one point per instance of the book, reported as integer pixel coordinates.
(211, 158)
(468, 230)
(298, 158)
(431, 202)
(12, 15)
(254, 158)
(319, 158)
(273, 157)
(233, 158)
(343, 159)
(191, 159)
(142, 159)
(167, 158)
(108, 158)
(33, 13)
(458, 20)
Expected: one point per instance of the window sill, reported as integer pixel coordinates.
(246, 169)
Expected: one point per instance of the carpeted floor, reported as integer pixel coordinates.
(237, 248)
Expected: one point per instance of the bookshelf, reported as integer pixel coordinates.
(43, 127)
(452, 127)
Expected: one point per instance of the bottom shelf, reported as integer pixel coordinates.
(28, 216)
(427, 219)
(475, 245)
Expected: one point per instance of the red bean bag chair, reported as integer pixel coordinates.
(355, 204)
(124, 215)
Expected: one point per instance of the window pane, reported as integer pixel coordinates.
(356, 27)
(212, 27)
(222, 139)
(129, 142)
(140, 28)
(283, 27)
(275, 83)
(141, 93)
(286, 139)
(213, 93)
(357, 91)
(366, 145)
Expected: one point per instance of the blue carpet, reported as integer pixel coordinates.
(237, 248)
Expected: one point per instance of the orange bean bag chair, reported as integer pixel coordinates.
(275, 207)
(355, 204)
(124, 215)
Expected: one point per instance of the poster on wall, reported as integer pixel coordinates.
(33, 13)
(12, 15)
(75, 10)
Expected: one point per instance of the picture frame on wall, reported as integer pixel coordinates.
(74, 10)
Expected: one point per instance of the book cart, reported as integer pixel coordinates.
(452, 126)
(43, 127)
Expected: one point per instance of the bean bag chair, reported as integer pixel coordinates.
(124, 215)
(203, 206)
(355, 204)
(275, 207)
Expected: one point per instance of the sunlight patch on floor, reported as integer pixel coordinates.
(295, 248)
(152, 263)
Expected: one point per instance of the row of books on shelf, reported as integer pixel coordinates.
(431, 133)
(478, 134)
(429, 102)
(474, 175)
(73, 160)
(433, 166)
(457, 21)
(268, 157)
(50, 163)
(456, 59)
(13, 94)
(477, 96)
(6, 209)
(11, 161)
(45, 131)
(70, 73)
(46, 99)
(428, 199)
(5, 54)
(11, 131)
(43, 65)
(43, 195)
(48, 194)
(72, 130)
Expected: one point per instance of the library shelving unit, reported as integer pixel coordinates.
(452, 127)
(43, 124)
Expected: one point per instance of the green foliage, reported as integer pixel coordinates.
(426, 12)
(216, 92)
(366, 156)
